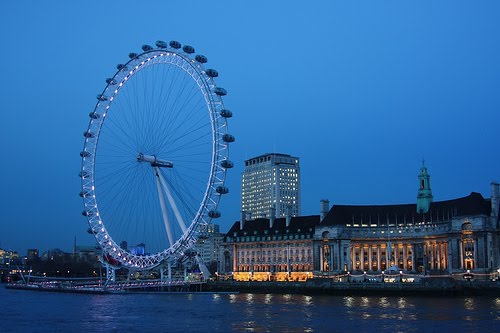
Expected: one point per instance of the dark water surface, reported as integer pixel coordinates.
(30, 311)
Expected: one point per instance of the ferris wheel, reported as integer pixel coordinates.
(155, 156)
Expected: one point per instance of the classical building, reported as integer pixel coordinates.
(429, 237)
(276, 249)
(270, 185)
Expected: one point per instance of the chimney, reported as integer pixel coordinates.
(272, 217)
(324, 208)
(243, 219)
(495, 198)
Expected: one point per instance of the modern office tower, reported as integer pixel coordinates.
(270, 187)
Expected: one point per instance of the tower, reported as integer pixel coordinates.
(270, 186)
(424, 196)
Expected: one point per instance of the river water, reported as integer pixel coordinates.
(32, 311)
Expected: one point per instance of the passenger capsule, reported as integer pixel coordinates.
(88, 134)
(121, 67)
(84, 154)
(188, 49)
(222, 190)
(161, 44)
(226, 113)
(214, 214)
(220, 91)
(211, 72)
(175, 44)
(200, 58)
(94, 115)
(110, 81)
(226, 164)
(132, 55)
(91, 231)
(228, 138)
(83, 174)
(87, 213)
(84, 194)
(146, 47)
(102, 98)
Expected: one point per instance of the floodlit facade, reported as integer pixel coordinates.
(270, 249)
(450, 237)
(443, 237)
(270, 186)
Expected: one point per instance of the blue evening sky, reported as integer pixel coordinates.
(361, 91)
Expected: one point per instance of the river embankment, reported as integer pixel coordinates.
(425, 287)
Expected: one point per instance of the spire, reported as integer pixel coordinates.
(424, 196)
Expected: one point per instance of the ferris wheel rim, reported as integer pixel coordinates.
(212, 95)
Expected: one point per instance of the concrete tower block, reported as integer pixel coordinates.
(243, 219)
(288, 215)
(272, 217)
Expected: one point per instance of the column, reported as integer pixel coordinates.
(405, 257)
(370, 252)
(413, 264)
(388, 252)
(439, 247)
(461, 254)
(432, 246)
(362, 258)
(353, 257)
(340, 256)
(332, 258)
(321, 255)
(449, 259)
(475, 253)
(378, 257)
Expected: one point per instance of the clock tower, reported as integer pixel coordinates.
(424, 196)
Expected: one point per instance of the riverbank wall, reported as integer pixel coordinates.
(426, 287)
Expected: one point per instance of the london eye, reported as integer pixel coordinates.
(155, 156)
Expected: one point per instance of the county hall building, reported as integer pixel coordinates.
(427, 237)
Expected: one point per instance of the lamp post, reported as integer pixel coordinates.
(383, 279)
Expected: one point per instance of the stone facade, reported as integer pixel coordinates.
(453, 236)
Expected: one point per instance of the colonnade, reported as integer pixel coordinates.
(380, 256)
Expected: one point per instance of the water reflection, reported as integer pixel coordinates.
(402, 303)
(383, 302)
(307, 300)
(245, 313)
(469, 304)
(349, 301)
